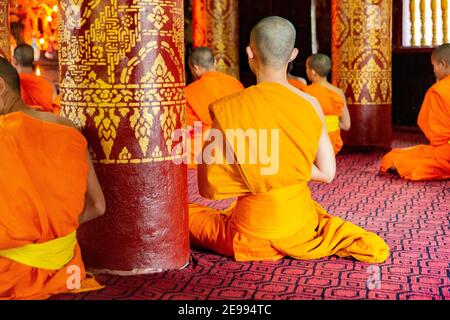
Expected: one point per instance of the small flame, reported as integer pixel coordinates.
(38, 71)
(49, 18)
(55, 8)
(41, 41)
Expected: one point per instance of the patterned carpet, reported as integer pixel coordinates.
(413, 218)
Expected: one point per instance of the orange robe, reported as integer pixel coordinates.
(297, 83)
(43, 182)
(274, 215)
(210, 87)
(432, 161)
(36, 91)
(332, 104)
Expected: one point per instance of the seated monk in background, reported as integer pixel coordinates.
(209, 86)
(36, 91)
(295, 81)
(274, 215)
(331, 98)
(431, 161)
(48, 187)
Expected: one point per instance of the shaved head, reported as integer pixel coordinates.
(442, 53)
(202, 57)
(24, 55)
(320, 63)
(273, 39)
(10, 75)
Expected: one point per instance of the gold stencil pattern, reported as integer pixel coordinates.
(5, 48)
(215, 25)
(122, 76)
(361, 50)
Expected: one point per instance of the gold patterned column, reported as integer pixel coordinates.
(215, 24)
(122, 80)
(361, 54)
(5, 47)
(444, 8)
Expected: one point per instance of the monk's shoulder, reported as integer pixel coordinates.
(230, 102)
(441, 87)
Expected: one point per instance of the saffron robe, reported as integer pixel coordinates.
(210, 87)
(274, 215)
(297, 83)
(332, 104)
(43, 169)
(432, 161)
(36, 92)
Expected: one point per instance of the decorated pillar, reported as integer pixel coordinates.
(215, 25)
(361, 54)
(5, 47)
(122, 80)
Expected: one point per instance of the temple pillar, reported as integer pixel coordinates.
(121, 80)
(362, 55)
(5, 46)
(216, 25)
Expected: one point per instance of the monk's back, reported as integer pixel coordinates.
(44, 171)
(271, 106)
(36, 91)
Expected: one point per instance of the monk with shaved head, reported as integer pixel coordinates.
(330, 97)
(36, 91)
(431, 161)
(278, 142)
(48, 187)
(209, 86)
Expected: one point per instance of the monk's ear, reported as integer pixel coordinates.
(3, 87)
(294, 54)
(250, 53)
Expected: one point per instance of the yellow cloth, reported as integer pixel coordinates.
(332, 123)
(50, 255)
(274, 215)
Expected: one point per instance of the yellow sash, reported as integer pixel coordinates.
(332, 123)
(51, 255)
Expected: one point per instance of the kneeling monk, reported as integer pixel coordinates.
(274, 215)
(431, 161)
(47, 188)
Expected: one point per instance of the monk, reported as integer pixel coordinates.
(295, 81)
(331, 98)
(36, 91)
(209, 86)
(274, 215)
(48, 187)
(431, 161)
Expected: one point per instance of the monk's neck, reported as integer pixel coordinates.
(270, 75)
(14, 103)
(322, 81)
(21, 69)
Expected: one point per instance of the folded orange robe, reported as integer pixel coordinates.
(43, 170)
(297, 83)
(36, 91)
(210, 87)
(332, 104)
(427, 162)
(274, 215)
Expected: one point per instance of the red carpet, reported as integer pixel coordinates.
(413, 218)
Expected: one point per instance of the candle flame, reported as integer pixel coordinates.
(41, 41)
(49, 19)
(38, 71)
(55, 8)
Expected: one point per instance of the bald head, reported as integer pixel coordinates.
(273, 39)
(442, 53)
(202, 57)
(9, 74)
(24, 55)
(320, 63)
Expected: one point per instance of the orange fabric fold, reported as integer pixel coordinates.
(274, 215)
(427, 162)
(297, 83)
(210, 87)
(36, 91)
(36, 205)
(332, 104)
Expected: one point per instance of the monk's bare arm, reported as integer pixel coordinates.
(324, 166)
(95, 205)
(344, 119)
